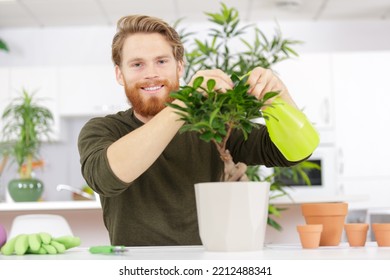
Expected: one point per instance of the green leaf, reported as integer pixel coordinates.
(213, 115)
(271, 222)
(207, 136)
(270, 95)
(216, 18)
(3, 46)
(197, 82)
(235, 79)
(273, 210)
(210, 85)
(310, 165)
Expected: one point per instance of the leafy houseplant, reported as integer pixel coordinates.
(214, 116)
(25, 125)
(209, 117)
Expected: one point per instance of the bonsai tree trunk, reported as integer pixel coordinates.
(232, 171)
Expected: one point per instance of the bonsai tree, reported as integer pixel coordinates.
(25, 123)
(215, 116)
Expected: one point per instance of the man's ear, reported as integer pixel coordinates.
(119, 75)
(180, 68)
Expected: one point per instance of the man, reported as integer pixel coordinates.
(143, 169)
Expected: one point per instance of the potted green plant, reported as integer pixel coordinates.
(215, 116)
(25, 124)
(215, 52)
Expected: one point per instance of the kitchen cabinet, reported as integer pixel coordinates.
(90, 90)
(377, 191)
(309, 81)
(42, 81)
(362, 94)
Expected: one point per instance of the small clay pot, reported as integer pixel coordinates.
(356, 234)
(331, 216)
(382, 234)
(310, 235)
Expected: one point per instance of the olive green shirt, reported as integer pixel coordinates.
(158, 208)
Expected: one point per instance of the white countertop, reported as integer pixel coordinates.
(95, 204)
(299, 199)
(50, 205)
(271, 252)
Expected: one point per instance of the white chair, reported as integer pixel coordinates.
(55, 225)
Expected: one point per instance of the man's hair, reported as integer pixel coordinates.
(133, 24)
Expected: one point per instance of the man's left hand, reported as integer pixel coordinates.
(263, 80)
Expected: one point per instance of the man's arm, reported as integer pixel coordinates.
(135, 152)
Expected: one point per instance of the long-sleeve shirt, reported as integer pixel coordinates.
(158, 208)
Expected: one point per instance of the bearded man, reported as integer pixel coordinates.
(142, 168)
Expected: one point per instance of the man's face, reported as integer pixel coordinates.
(149, 72)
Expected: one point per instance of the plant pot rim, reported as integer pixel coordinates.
(310, 228)
(233, 183)
(324, 209)
(380, 226)
(356, 227)
(26, 179)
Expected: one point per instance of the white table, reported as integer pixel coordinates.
(271, 252)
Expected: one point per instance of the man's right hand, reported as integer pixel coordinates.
(222, 80)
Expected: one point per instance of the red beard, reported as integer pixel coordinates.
(150, 106)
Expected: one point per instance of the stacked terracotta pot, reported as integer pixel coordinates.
(331, 216)
(325, 223)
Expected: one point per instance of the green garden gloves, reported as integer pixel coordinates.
(39, 243)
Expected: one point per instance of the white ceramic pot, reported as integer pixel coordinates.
(232, 216)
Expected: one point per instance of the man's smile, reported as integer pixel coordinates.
(152, 88)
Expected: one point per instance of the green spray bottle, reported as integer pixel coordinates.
(290, 130)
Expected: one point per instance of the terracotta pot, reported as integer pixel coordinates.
(356, 234)
(310, 235)
(331, 216)
(232, 216)
(382, 234)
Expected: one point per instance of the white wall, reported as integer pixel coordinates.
(92, 45)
